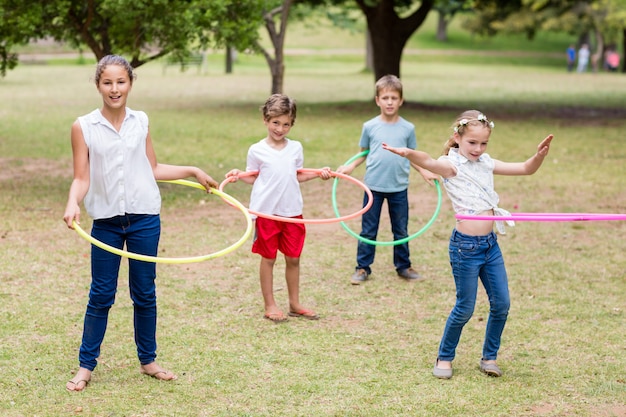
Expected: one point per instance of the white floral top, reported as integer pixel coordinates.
(471, 190)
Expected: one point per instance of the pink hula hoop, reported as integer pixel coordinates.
(370, 199)
(548, 217)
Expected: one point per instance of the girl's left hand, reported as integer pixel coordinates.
(544, 146)
(428, 176)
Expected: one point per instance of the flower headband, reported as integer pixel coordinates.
(481, 118)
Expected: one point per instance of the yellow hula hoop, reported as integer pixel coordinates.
(191, 259)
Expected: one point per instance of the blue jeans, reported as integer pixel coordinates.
(473, 257)
(398, 205)
(141, 234)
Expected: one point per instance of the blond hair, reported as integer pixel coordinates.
(463, 120)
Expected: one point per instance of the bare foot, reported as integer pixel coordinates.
(80, 380)
(155, 371)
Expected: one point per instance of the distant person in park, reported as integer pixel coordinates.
(467, 173)
(116, 173)
(612, 60)
(571, 58)
(387, 176)
(583, 58)
(276, 192)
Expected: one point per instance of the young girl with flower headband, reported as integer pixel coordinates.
(467, 173)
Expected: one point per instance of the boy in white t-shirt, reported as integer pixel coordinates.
(276, 192)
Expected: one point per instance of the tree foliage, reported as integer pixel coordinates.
(446, 10)
(273, 15)
(604, 19)
(142, 30)
(17, 26)
(529, 16)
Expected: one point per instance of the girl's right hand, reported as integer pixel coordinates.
(72, 213)
(398, 151)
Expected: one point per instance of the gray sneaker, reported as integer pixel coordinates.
(490, 369)
(359, 276)
(409, 274)
(441, 373)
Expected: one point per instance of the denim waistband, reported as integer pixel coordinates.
(124, 220)
(489, 238)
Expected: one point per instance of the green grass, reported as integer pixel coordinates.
(372, 352)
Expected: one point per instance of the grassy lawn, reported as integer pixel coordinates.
(371, 354)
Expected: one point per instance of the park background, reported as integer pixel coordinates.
(372, 352)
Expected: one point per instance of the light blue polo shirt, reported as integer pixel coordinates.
(385, 171)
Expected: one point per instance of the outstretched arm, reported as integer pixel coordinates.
(530, 166)
(175, 172)
(425, 161)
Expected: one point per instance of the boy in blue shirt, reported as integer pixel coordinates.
(387, 176)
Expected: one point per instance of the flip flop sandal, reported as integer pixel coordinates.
(76, 385)
(307, 314)
(275, 317)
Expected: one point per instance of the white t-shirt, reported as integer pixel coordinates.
(276, 191)
(471, 190)
(120, 176)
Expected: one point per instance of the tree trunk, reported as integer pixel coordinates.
(442, 28)
(229, 59)
(277, 63)
(369, 52)
(390, 33)
(278, 77)
(597, 57)
(623, 50)
(387, 55)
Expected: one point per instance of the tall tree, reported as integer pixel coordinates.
(390, 24)
(277, 35)
(446, 9)
(272, 15)
(390, 30)
(143, 30)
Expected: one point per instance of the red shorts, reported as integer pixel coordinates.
(272, 236)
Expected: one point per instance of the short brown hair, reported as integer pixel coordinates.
(279, 105)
